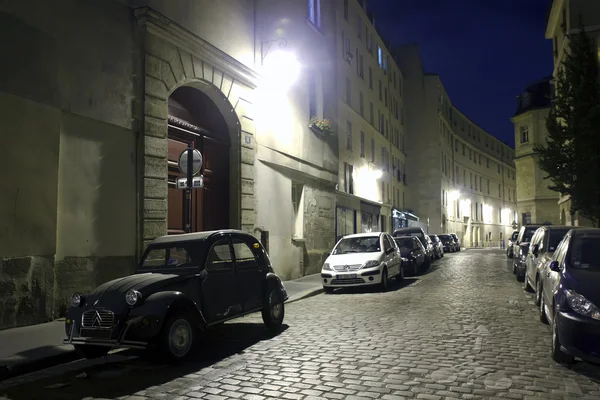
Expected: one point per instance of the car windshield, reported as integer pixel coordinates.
(361, 244)
(435, 239)
(406, 244)
(166, 257)
(555, 237)
(584, 254)
(445, 238)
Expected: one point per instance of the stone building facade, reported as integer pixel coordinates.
(462, 178)
(99, 99)
(563, 18)
(536, 203)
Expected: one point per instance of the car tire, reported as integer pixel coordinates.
(273, 310)
(557, 354)
(519, 277)
(542, 313)
(415, 269)
(179, 336)
(385, 284)
(400, 276)
(538, 291)
(328, 290)
(90, 352)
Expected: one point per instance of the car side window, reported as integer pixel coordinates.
(219, 256)
(541, 240)
(244, 257)
(386, 244)
(561, 251)
(392, 242)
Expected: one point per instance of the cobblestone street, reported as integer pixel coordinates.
(464, 330)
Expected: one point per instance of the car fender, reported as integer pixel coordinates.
(159, 305)
(272, 281)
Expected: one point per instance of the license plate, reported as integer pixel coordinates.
(95, 333)
(347, 276)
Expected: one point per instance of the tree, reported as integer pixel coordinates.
(571, 156)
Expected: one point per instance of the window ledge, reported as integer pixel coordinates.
(315, 27)
(298, 240)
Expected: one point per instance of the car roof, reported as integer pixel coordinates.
(187, 237)
(406, 237)
(364, 234)
(581, 231)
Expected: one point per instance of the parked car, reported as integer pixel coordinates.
(456, 241)
(438, 247)
(183, 285)
(429, 248)
(448, 243)
(511, 241)
(362, 259)
(543, 243)
(411, 231)
(412, 249)
(521, 248)
(570, 297)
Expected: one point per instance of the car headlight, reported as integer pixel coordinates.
(371, 264)
(404, 259)
(581, 305)
(327, 267)
(76, 300)
(132, 297)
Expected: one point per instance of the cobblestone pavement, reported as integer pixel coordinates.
(464, 330)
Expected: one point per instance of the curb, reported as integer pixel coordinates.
(10, 370)
(306, 294)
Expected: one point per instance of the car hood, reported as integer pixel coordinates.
(584, 282)
(112, 294)
(352, 258)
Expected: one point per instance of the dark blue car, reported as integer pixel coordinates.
(570, 297)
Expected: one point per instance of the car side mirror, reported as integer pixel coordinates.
(390, 250)
(554, 266)
(203, 274)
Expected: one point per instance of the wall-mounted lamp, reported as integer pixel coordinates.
(265, 46)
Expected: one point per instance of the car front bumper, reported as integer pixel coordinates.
(579, 336)
(362, 277)
(135, 333)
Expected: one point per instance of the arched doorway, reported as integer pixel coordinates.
(194, 118)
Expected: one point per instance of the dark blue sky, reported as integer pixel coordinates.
(485, 51)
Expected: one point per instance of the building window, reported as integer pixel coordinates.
(370, 78)
(362, 144)
(348, 92)
(385, 93)
(465, 177)
(476, 211)
(314, 12)
(359, 27)
(498, 168)
(297, 209)
(480, 184)
(457, 176)
(361, 104)
(499, 191)
(379, 56)
(346, 10)
(487, 161)
(361, 67)
(312, 96)
(526, 218)
(488, 186)
(371, 113)
(373, 150)
(463, 149)
(524, 134)
(349, 135)
(348, 178)
(380, 90)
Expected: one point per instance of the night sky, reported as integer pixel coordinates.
(485, 51)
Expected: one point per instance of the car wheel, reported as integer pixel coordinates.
(543, 318)
(526, 285)
(519, 276)
(384, 280)
(328, 290)
(415, 269)
(273, 311)
(400, 276)
(89, 352)
(557, 354)
(538, 291)
(179, 336)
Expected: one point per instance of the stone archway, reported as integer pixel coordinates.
(172, 59)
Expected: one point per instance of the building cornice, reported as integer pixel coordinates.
(163, 27)
(553, 17)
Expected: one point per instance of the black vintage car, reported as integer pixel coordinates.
(183, 285)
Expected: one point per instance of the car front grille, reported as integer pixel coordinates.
(344, 268)
(98, 319)
(352, 281)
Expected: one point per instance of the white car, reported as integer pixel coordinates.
(362, 259)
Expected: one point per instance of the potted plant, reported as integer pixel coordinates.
(321, 126)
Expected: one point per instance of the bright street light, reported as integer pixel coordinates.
(281, 69)
(378, 173)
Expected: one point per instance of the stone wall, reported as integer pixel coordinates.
(319, 226)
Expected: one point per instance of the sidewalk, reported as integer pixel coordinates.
(32, 348)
